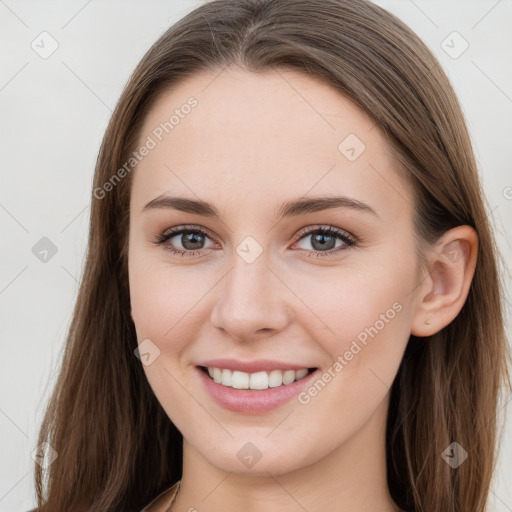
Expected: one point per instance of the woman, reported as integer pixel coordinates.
(218, 359)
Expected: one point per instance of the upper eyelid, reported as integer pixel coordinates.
(308, 230)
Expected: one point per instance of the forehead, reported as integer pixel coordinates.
(264, 137)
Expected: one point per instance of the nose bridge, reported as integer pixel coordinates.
(252, 297)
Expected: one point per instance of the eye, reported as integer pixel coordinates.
(323, 241)
(192, 240)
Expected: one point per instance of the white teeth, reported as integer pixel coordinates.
(226, 377)
(301, 373)
(240, 379)
(217, 375)
(259, 380)
(275, 378)
(288, 376)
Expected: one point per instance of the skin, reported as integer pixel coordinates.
(253, 142)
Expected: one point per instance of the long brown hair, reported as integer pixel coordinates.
(116, 447)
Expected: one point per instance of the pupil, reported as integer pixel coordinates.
(320, 238)
(192, 238)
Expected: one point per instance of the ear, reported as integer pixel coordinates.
(444, 288)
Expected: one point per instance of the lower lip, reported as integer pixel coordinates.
(252, 401)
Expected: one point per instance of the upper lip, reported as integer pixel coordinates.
(258, 365)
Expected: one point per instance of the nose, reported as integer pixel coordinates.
(253, 301)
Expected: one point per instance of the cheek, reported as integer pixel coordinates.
(361, 325)
(147, 290)
(165, 300)
(368, 329)
(362, 314)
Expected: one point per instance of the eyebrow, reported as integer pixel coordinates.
(292, 208)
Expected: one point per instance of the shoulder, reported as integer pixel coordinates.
(158, 504)
(162, 501)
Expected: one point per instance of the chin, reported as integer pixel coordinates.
(257, 458)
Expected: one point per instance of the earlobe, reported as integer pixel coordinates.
(444, 290)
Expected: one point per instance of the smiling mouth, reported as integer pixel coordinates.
(255, 381)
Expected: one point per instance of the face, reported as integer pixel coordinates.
(250, 284)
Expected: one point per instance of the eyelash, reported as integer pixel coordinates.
(349, 240)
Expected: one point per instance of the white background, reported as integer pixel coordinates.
(54, 112)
